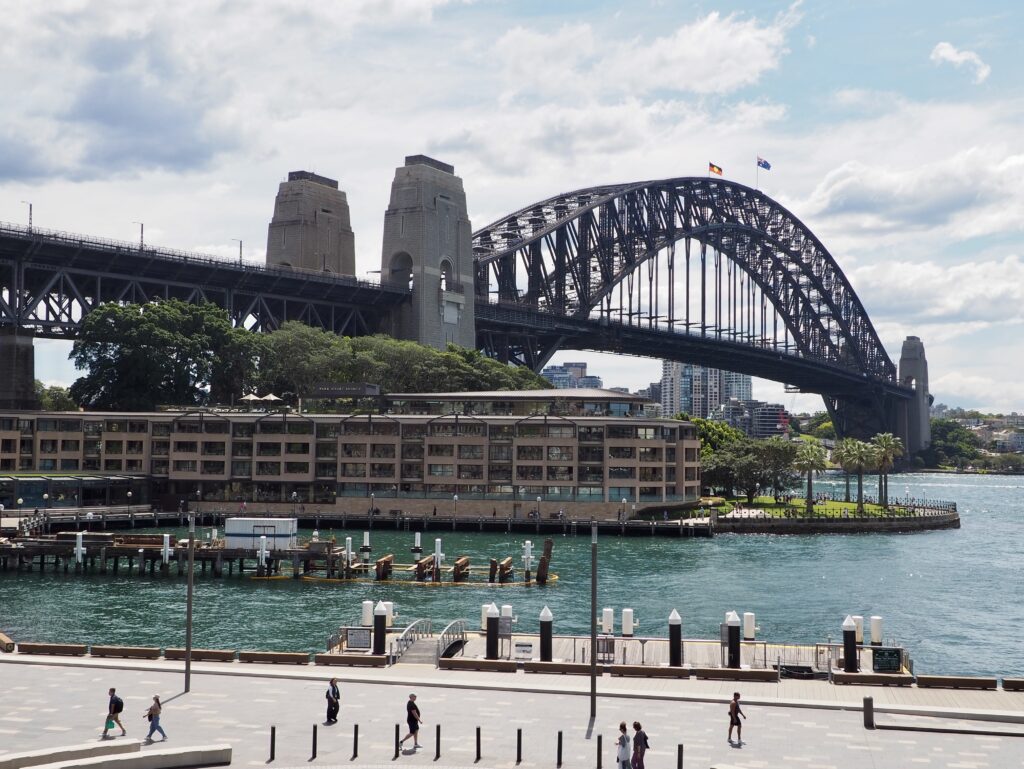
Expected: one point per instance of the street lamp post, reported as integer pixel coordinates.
(129, 500)
(142, 235)
(46, 500)
(239, 241)
(455, 501)
(593, 620)
(373, 502)
(539, 498)
(188, 601)
(27, 203)
(622, 510)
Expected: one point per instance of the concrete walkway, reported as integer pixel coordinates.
(47, 701)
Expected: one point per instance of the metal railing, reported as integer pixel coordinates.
(421, 628)
(454, 632)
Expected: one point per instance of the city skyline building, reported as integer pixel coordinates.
(699, 391)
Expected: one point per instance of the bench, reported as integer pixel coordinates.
(67, 752)
(956, 682)
(284, 658)
(649, 671)
(6, 644)
(364, 660)
(477, 663)
(572, 668)
(132, 652)
(736, 674)
(1013, 684)
(873, 679)
(159, 758)
(74, 650)
(202, 655)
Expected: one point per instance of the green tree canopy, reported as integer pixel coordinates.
(952, 444)
(54, 398)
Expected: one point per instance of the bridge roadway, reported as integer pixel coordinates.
(46, 702)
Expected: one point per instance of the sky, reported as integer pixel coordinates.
(893, 130)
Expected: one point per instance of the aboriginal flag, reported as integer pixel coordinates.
(713, 169)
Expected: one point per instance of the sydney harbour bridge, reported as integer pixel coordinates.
(693, 269)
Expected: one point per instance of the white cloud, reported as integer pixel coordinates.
(946, 53)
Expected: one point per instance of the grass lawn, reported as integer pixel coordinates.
(795, 509)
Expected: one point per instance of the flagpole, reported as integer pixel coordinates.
(757, 173)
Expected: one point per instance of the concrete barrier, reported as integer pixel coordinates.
(160, 758)
(73, 650)
(956, 682)
(67, 753)
(356, 660)
(129, 652)
(873, 679)
(285, 658)
(477, 663)
(203, 655)
(649, 671)
(572, 668)
(736, 674)
(1013, 684)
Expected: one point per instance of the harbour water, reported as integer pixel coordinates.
(953, 597)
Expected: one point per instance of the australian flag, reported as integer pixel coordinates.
(762, 163)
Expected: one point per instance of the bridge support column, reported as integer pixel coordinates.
(913, 372)
(17, 374)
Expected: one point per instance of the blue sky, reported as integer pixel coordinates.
(893, 129)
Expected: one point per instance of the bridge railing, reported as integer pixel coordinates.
(421, 628)
(454, 632)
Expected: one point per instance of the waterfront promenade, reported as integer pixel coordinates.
(44, 702)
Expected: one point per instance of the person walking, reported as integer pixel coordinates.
(622, 756)
(153, 714)
(412, 717)
(640, 745)
(734, 718)
(333, 701)
(114, 707)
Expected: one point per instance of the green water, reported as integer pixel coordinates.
(953, 597)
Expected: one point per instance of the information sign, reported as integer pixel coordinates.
(886, 659)
(357, 638)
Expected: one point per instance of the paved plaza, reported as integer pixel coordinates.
(49, 703)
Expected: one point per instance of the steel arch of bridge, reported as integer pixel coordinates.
(567, 255)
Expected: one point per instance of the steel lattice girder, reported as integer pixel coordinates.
(576, 247)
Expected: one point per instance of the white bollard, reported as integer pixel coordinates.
(366, 620)
(506, 610)
(749, 626)
(607, 621)
(438, 554)
(348, 559)
(166, 549)
(627, 622)
(483, 615)
(366, 539)
(876, 631)
(416, 541)
(859, 623)
(389, 608)
(79, 548)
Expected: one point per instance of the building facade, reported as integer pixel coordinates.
(581, 452)
(699, 391)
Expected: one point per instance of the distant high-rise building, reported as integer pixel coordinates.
(738, 386)
(578, 370)
(698, 391)
(590, 381)
(559, 377)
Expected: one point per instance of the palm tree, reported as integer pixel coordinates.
(861, 458)
(888, 448)
(810, 459)
(841, 456)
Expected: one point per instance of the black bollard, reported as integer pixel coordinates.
(679, 757)
(437, 743)
(398, 747)
(546, 632)
(675, 640)
(600, 749)
(850, 662)
(313, 755)
(355, 742)
(273, 742)
(478, 745)
(869, 712)
(492, 633)
(519, 746)
(558, 763)
(380, 628)
(732, 620)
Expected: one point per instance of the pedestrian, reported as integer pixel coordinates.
(153, 714)
(333, 701)
(640, 745)
(412, 717)
(734, 718)
(622, 747)
(114, 707)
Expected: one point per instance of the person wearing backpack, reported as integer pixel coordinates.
(114, 708)
(640, 745)
(622, 757)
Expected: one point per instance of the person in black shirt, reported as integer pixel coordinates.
(412, 717)
(114, 708)
(333, 701)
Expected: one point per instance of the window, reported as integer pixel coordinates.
(91, 464)
(116, 426)
(213, 448)
(184, 447)
(214, 427)
(69, 464)
(530, 453)
(472, 472)
(413, 470)
(93, 428)
(138, 427)
(92, 448)
(561, 431)
(327, 430)
(296, 467)
(591, 434)
(650, 455)
(158, 467)
(647, 433)
(591, 475)
(560, 472)
(268, 449)
(133, 465)
(241, 467)
(381, 470)
(268, 468)
(530, 431)
(296, 448)
(47, 465)
(161, 429)
(46, 425)
(383, 451)
(591, 454)
(559, 453)
(8, 446)
(48, 447)
(353, 469)
(70, 445)
(440, 470)
(471, 452)
(621, 432)
(621, 452)
(356, 450)
(500, 472)
(71, 425)
(159, 448)
(241, 449)
(326, 450)
(326, 470)
(134, 447)
(441, 450)
(530, 473)
(621, 473)
(211, 467)
(502, 432)
(650, 474)
(188, 427)
(241, 430)
(501, 453)
(185, 465)
(113, 447)
(412, 451)
(690, 455)
(414, 432)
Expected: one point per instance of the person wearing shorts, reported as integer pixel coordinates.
(412, 717)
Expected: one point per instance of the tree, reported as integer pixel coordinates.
(810, 459)
(842, 455)
(952, 444)
(776, 456)
(138, 356)
(888, 448)
(54, 397)
(861, 458)
(713, 435)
